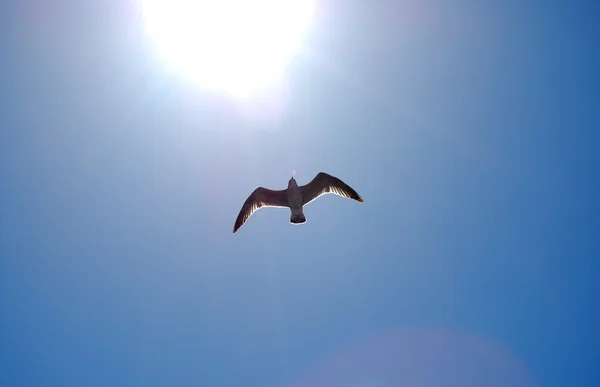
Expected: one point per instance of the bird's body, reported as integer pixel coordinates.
(294, 197)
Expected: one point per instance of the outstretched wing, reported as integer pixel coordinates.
(261, 197)
(323, 184)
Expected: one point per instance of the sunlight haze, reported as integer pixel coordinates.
(234, 46)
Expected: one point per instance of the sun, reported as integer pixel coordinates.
(233, 46)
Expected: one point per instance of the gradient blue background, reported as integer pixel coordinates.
(470, 128)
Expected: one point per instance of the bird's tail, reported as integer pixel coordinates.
(297, 218)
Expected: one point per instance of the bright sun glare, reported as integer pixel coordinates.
(235, 46)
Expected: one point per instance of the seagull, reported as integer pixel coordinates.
(294, 197)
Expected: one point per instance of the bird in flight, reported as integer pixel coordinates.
(294, 197)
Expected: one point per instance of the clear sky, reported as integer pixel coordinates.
(470, 128)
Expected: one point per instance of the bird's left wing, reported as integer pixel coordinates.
(323, 184)
(261, 197)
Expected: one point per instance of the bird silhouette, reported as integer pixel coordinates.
(294, 197)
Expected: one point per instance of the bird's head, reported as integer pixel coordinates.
(292, 182)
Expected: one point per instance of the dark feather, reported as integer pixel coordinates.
(323, 184)
(261, 197)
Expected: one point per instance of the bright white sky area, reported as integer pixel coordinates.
(233, 46)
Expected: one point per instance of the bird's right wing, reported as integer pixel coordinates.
(323, 184)
(261, 197)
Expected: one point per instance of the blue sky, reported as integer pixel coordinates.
(469, 129)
